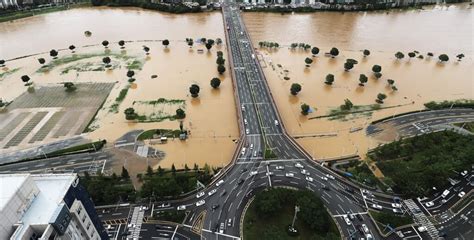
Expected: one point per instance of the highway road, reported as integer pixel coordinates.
(423, 122)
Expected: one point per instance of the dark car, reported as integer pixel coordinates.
(359, 217)
(326, 188)
(215, 206)
(240, 181)
(216, 228)
(243, 170)
(223, 193)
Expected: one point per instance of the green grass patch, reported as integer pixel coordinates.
(9, 72)
(461, 103)
(162, 101)
(123, 93)
(90, 66)
(163, 132)
(269, 215)
(383, 218)
(93, 146)
(468, 126)
(415, 165)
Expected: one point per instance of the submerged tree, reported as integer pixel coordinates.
(41, 61)
(308, 61)
(72, 47)
(215, 83)
(380, 98)
(53, 53)
(25, 79)
(314, 51)
(329, 79)
(194, 90)
(105, 43)
(106, 61)
(362, 79)
(295, 88)
(221, 68)
(146, 49)
(399, 55)
(130, 74)
(347, 105)
(443, 58)
(70, 87)
(180, 114)
(366, 52)
(334, 52)
(121, 43)
(165, 43)
(304, 109)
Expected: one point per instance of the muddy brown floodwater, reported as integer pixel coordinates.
(438, 29)
(211, 118)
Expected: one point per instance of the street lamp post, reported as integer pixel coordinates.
(297, 209)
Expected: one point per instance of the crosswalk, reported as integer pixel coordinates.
(421, 218)
(136, 222)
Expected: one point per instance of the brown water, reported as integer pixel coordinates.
(437, 29)
(61, 29)
(211, 118)
(418, 81)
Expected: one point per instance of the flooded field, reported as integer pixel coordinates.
(418, 80)
(211, 118)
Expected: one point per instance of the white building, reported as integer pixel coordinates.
(47, 206)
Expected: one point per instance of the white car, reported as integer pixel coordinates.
(210, 193)
(251, 146)
(445, 193)
(330, 176)
(365, 228)
(429, 204)
(298, 165)
(396, 205)
(304, 172)
(182, 207)
(289, 175)
(461, 194)
(324, 178)
(280, 167)
(396, 210)
(348, 222)
(247, 131)
(200, 203)
(309, 179)
(269, 173)
(199, 194)
(219, 183)
(253, 173)
(245, 121)
(376, 206)
(422, 229)
(464, 173)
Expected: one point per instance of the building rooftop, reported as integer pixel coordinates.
(52, 188)
(9, 185)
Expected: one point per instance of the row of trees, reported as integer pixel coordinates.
(442, 57)
(220, 61)
(268, 44)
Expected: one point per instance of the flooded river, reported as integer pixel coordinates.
(212, 118)
(438, 29)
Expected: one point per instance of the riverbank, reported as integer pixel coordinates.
(37, 11)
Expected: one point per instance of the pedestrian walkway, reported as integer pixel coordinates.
(421, 218)
(136, 223)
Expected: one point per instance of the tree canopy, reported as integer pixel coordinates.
(295, 88)
(215, 82)
(194, 90)
(329, 79)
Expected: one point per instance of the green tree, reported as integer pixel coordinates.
(220, 68)
(194, 90)
(304, 109)
(394, 88)
(124, 173)
(215, 83)
(366, 53)
(180, 114)
(130, 74)
(329, 79)
(149, 171)
(380, 97)
(186, 168)
(130, 114)
(25, 79)
(70, 87)
(53, 53)
(334, 52)
(121, 43)
(220, 54)
(362, 79)
(105, 43)
(196, 168)
(399, 55)
(443, 58)
(190, 42)
(106, 61)
(220, 60)
(353, 61)
(165, 43)
(210, 41)
(460, 56)
(41, 61)
(72, 47)
(218, 41)
(160, 171)
(2, 63)
(295, 88)
(347, 105)
(146, 49)
(308, 61)
(390, 81)
(348, 66)
(314, 51)
(376, 68)
(411, 55)
(208, 46)
(173, 169)
(430, 54)
(267, 203)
